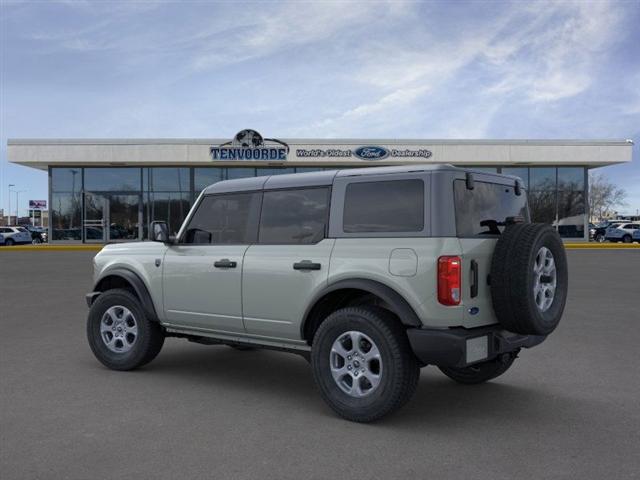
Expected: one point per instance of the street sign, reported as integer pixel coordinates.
(38, 204)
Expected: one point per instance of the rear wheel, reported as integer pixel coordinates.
(9, 242)
(481, 372)
(119, 332)
(626, 239)
(363, 363)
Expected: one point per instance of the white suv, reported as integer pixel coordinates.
(622, 233)
(15, 235)
(370, 274)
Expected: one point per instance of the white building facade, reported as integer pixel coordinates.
(110, 190)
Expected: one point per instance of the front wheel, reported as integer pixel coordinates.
(363, 363)
(119, 332)
(9, 242)
(481, 372)
(626, 239)
(36, 241)
(599, 238)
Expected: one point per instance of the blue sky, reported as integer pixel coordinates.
(322, 69)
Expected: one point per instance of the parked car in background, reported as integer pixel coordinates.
(622, 232)
(636, 236)
(38, 234)
(15, 235)
(600, 231)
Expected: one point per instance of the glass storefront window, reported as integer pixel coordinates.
(241, 172)
(570, 178)
(542, 205)
(571, 214)
(273, 171)
(522, 172)
(171, 207)
(66, 216)
(167, 179)
(542, 178)
(112, 179)
(66, 179)
(203, 177)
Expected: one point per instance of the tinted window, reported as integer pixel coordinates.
(294, 216)
(483, 210)
(385, 206)
(225, 219)
(115, 179)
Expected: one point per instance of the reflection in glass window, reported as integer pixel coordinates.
(542, 205)
(296, 216)
(241, 172)
(225, 219)
(570, 178)
(384, 206)
(167, 179)
(522, 172)
(273, 171)
(65, 216)
(571, 214)
(111, 179)
(542, 178)
(66, 179)
(171, 207)
(203, 177)
(485, 209)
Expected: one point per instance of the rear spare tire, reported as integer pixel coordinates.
(529, 279)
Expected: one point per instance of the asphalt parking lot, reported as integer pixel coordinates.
(569, 408)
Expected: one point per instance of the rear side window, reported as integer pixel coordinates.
(485, 209)
(384, 206)
(225, 219)
(297, 216)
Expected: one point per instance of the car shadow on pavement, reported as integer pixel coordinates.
(267, 377)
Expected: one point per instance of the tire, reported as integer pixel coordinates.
(626, 239)
(397, 368)
(599, 238)
(135, 350)
(481, 372)
(36, 241)
(9, 242)
(529, 279)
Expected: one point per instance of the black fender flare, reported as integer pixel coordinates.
(138, 285)
(393, 299)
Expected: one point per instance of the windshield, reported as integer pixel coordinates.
(486, 209)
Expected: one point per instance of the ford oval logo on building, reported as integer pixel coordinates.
(371, 153)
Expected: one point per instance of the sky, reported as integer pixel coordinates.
(375, 69)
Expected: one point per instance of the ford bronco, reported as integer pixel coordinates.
(371, 274)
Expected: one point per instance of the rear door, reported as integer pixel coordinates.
(290, 262)
(481, 214)
(202, 274)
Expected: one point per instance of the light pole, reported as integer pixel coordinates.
(18, 192)
(9, 211)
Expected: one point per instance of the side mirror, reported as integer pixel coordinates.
(159, 232)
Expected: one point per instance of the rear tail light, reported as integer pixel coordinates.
(449, 280)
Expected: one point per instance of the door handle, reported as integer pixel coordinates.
(474, 279)
(225, 263)
(306, 265)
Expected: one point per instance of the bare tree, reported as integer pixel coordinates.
(604, 196)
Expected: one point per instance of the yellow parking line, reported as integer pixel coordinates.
(41, 248)
(601, 246)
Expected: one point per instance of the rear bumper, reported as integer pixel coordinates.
(460, 347)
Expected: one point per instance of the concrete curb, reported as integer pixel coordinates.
(97, 248)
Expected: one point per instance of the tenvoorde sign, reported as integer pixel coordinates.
(249, 145)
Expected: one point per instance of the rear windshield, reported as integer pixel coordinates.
(485, 209)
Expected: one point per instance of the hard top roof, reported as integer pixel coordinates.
(314, 179)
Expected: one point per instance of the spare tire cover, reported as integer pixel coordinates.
(529, 278)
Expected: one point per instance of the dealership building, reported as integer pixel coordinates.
(110, 190)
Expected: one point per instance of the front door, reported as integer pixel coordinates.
(112, 217)
(202, 275)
